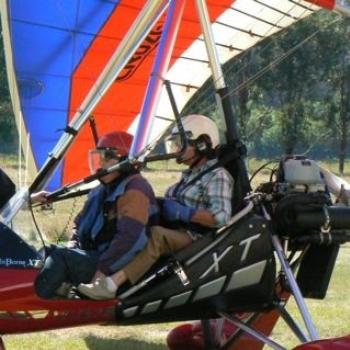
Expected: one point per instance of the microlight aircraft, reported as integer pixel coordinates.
(133, 65)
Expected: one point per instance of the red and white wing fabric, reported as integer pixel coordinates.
(57, 49)
(237, 26)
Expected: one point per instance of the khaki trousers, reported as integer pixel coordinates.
(162, 241)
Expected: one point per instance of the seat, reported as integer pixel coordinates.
(231, 157)
(216, 269)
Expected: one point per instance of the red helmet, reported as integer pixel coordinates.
(120, 141)
(114, 145)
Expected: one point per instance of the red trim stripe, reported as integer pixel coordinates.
(327, 4)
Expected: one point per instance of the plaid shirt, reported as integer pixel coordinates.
(212, 191)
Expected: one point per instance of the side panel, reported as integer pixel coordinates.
(14, 252)
(21, 310)
(234, 272)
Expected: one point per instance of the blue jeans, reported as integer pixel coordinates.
(65, 265)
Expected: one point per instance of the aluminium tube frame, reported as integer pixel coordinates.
(222, 94)
(141, 27)
(160, 68)
(224, 103)
(134, 37)
(251, 331)
(295, 289)
(291, 323)
(342, 7)
(296, 292)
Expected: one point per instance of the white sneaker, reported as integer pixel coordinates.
(98, 290)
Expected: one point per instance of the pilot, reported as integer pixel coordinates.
(201, 200)
(110, 229)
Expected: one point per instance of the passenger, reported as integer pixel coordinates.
(111, 228)
(200, 200)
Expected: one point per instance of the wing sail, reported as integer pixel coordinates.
(54, 58)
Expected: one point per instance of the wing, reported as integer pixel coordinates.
(56, 51)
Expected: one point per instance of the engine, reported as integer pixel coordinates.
(304, 214)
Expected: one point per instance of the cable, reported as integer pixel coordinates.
(262, 167)
(278, 60)
(69, 220)
(202, 94)
(275, 62)
(38, 230)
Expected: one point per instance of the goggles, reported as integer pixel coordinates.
(174, 144)
(99, 157)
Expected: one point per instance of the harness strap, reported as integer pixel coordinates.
(222, 160)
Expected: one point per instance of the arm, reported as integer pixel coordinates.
(337, 186)
(133, 212)
(215, 210)
(39, 197)
(204, 217)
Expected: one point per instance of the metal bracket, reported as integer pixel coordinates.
(326, 227)
(251, 331)
(178, 269)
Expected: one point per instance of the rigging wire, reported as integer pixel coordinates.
(267, 33)
(204, 92)
(38, 230)
(284, 14)
(243, 67)
(278, 60)
(64, 231)
(261, 168)
(69, 221)
(19, 154)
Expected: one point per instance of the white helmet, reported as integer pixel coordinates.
(199, 128)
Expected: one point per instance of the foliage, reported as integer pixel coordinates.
(289, 92)
(8, 133)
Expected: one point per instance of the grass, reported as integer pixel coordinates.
(150, 337)
(331, 316)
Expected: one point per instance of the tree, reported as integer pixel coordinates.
(8, 133)
(336, 72)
